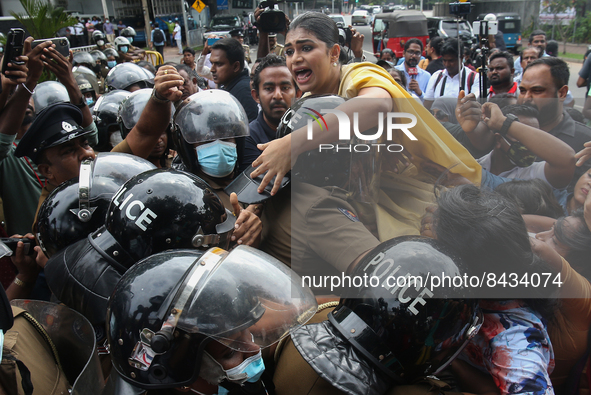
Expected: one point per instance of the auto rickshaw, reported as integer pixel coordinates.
(393, 29)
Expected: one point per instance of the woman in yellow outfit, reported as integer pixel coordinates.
(312, 53)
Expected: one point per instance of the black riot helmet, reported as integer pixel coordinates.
(326, 168)
(131, 109)
(167, 309)
(48, 93)
(395, 322)
(83, 59)
(208, 116)
(124, 75)
(163, 209)
(79, 206)
(105, 113)
(98, 36)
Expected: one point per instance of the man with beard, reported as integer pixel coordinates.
(190, 85)
(500, 74)
(274, 89)
(544, 86)
(417, 78)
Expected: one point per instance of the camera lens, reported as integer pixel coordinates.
(63, 42)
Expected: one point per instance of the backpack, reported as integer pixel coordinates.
(158, 36)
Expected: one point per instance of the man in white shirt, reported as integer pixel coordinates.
(453, 78)
(178, 36)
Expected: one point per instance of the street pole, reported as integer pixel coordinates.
(147, 23)
(105, 9)
(186, 23)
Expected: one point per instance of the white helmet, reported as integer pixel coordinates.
(121, 42)
(490, 17)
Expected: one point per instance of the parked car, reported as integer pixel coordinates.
(361, 17)
(339, 20)
(221, 25)
(448, 27)
(377, 10)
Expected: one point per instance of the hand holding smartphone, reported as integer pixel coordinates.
(14, 48)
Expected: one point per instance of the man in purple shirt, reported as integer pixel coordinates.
(108, 30)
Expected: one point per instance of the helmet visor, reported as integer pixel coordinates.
(211, 115)
(244, 299)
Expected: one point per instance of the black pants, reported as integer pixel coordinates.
(160, 48)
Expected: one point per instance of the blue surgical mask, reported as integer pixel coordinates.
(89, 101)
(130, 39)
(217, 159)
(1, 342)
(124, 49)
(111, 63)
(253, 367)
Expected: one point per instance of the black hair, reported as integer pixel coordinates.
(450, 47)
(529, 48)
(503, 100)
(271, 60)
(436, 43)
(147, 65)
(402, 77)
(536, 33)
(413, 41)
(503, 54)
(488, 232)
(233, 49)
(578, 242)
(558, 69)
(190, 50)
(321, 26)
(552, 48)
(384, 64)
(532, 197)
(521, 110)
(184, 67)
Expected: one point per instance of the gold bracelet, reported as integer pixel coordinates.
(21, 283)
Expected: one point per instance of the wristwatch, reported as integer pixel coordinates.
(82, 103)
(507, 124)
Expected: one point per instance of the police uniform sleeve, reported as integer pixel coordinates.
(6, 145)
(334, 231)
(93, 135)
(122, 147)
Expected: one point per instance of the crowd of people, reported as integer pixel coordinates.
(222, 226)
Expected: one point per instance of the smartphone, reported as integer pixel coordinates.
(62, 45)
(12, 242)
(13, 49)
(211, 41)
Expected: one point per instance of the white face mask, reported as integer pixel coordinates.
(115, 138)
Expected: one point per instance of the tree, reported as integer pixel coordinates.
(555, 7)
(42, 19)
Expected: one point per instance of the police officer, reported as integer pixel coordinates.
(105, 113)
(129, 77)
(395, 339)
(99, 38)
(274, 46)
(238, 35)
(205, 321)
(79, 206)
(154, 211)
(89, 91)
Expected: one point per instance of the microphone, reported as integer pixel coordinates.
(413, 72)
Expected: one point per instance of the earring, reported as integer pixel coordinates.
(335, 64)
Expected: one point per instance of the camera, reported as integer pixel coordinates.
(9, 246)
(271, 20)
(345, 36)
(459, 9)
(486, 28)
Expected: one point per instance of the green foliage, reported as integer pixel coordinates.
(42, 19)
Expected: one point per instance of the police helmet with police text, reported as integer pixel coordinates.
(124, 75)
(395, 322)
(208, 116)
(168, 308)
(163, 209)
(78, 207)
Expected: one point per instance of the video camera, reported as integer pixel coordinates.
(271, 20)
(345, 36)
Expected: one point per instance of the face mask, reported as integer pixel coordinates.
(519, 155)
(115, 138)
(253, 367)
(89, 101)
(124, 49)
(111, 63)
(1, 342)
(130, 39)
(217, 159)
(1, 49)
(100, 43)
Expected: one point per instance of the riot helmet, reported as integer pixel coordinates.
(122, 44)
(78, 207)
(124, 75)
(98, 55)
(131, 109)
(111, 52)
(88, 73)
(207, 117)
(83, 59)
(48, 93)
(99, 38)
(128, 33)
(167, 309)
(395, 321)
(105, 113)
(87, 90)
(163, 209)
